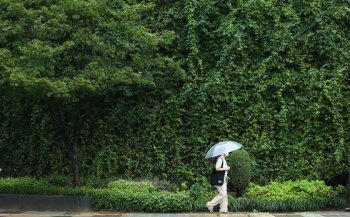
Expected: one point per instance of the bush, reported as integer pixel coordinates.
(293, 190)
(203, 181)
(28, 185)
(161, 201)
(240, 172)
(87, 181)
(133, 186)
(93, 182)
(197, 191)
(201, 189)
(249, 204)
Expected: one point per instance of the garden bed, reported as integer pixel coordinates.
(163, 197)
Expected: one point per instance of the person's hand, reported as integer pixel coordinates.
(227, 168)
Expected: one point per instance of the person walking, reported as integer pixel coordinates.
(222, 198)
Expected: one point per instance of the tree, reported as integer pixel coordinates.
(74, 53)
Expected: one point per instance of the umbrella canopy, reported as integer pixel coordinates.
(219, 148)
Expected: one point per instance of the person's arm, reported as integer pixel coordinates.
(222, 169)
(218, 166)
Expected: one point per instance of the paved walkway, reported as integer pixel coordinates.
(4, 213)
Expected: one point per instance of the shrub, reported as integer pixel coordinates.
(249, 204)
(162, 201)
(59, 180)
(28, 185)
(243, 204)
(184, 186)
(163, 185)
(197, 191)
(202, 181)
(87, 181)
(293, 190)
(104, 183)
(133, 186)
(240, 172)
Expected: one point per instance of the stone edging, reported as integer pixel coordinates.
(45, 203)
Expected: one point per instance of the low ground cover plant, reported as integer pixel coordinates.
(133, 186)
(294, 190)
(149, 195)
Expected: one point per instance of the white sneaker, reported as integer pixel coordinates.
(210, 208)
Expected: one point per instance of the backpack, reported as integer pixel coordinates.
(217, 177)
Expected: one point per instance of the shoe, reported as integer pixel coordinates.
(210, 208)
(223, 212)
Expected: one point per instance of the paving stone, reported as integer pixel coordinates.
(11, 212)
(332, 215)
(45, 213)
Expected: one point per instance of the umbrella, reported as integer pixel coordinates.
(219, 148)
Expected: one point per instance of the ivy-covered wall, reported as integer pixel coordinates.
(271, 75)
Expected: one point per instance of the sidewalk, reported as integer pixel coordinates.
(4, 213)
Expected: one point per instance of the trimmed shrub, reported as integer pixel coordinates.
(293, 190)
(158, 202)
(240, 172)
(29, 185)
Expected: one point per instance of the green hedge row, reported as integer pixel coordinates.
(145, 196)
(133, 196)
(170, 202)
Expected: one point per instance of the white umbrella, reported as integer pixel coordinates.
(218, 149)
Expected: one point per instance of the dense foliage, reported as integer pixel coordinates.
(71, 54)
(271, 75)
(294, 190)
(240, 175)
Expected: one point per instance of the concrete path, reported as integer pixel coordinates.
(4, 213)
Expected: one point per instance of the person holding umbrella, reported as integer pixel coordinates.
(222, 149)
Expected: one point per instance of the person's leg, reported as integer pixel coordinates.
(224, 201)
(218, 198)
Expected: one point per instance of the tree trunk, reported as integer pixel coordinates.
(78, 126)
(349, 184)
(75, 166)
